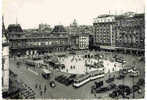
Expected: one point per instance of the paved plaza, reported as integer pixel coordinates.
(32, 76)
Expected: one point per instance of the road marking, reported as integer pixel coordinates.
(33, 71)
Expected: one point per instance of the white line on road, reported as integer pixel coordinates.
(33, 71)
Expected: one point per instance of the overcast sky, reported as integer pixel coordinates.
(29, 13)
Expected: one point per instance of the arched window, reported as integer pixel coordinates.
(129, 39)
(125, 39)
(133, 39)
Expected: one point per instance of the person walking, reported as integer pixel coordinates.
(40, 86)
(36, 86)
(45, 89)
(95, 94)
(40, 93)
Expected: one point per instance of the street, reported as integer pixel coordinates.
(32, 76)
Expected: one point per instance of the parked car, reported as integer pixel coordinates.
(132, 69)
(111, 86)
(99, 84)
(114, 94)
(59, 78)
(101, 90)
(124, 71)
(140, 82)
(121, 77)
(69, 81)
(134, 74)
(110, 80)
(135, 88)
(125, 90)
(63, 80)
(73, 76)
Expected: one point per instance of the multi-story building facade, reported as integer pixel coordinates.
(104, 29)
(38, 43)
(130, 33)
(79, 41)
(124, 32)
(84, 41)
(5, 61)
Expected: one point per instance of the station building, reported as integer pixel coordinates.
(36, 43)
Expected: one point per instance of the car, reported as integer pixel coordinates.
(68, 82)
(99, 84)
(111, 86)
(59, 78)
(101, 90)
(114, 94)
(121, 77)
(124, 71)
(131, 69)
(45, 76)
(134, 74)
(135, 88)
(63, 80)
(72, 76)
(52, 84)
(140, 82)
(124, 89)
(96, 85)
(110, 80)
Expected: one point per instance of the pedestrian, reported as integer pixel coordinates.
(40, 86)
(40, 93)
(95, 94)
(36, 86)
(45, 89)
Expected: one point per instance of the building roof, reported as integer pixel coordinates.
(104, 15)
(129, 15)
(59, 29)
(14, 28)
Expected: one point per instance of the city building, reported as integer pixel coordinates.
(45, 27)
(104, 30)
(73, 28)
(86, 29)
(130, 33)
(5, 60)
(79, 41)
(84, 41)
(37, 43)
(14, 28)
(125, 32)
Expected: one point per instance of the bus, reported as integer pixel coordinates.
(96, 74)
(30, 63)
(83, 79)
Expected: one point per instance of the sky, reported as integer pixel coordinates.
(30, 13)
